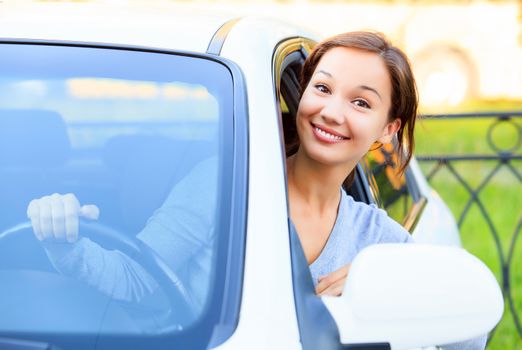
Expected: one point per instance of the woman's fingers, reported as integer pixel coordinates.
(46, 219)
(33, 213)
(71, 207)
(335, 289)
(90, 211)
(327, 281)
(57, 216)
(332, 281)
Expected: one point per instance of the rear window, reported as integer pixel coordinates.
(143, 136)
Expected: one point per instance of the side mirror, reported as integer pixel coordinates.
(413, 295)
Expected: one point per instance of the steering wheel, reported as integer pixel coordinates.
(183, 306)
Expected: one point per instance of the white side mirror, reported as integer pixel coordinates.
(413, 295)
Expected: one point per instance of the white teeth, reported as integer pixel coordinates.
(330, 136)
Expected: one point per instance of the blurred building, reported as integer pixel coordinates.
(460, 49)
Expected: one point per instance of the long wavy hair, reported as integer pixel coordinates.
(404, 99)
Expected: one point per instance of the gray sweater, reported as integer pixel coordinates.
(357, 226)
(180, 231)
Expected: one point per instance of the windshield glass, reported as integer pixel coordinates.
(110, 171)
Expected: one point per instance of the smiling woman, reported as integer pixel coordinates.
(358, 91)
(349, 102)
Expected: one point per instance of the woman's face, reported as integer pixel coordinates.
(344, 108)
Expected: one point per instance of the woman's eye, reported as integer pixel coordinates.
(322, 88)
(361, 103)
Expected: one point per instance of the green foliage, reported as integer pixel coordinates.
(501, 198)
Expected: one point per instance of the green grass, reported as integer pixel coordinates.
(475, 106)
(501, 197)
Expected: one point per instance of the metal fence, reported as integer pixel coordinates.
(500, 157)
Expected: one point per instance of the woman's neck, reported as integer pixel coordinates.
(314, 183)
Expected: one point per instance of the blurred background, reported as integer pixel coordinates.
(467, 58)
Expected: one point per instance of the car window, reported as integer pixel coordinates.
(146, 137)
(389, 186)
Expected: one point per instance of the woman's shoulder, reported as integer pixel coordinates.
(360, 210)
(372, 222)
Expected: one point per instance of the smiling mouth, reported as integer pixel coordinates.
(328, 135)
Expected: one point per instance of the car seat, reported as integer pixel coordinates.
(147, 166)
(34, 145)
(34, 148)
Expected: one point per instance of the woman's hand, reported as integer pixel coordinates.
(333, 283)
(56, 217)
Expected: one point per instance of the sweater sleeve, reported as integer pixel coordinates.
(375, 227)
(177, 231)
(110, 271)
(392, 231)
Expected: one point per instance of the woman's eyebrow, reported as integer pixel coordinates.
(366, 87)
(363, 87)
(324, 72)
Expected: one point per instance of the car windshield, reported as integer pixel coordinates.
(143, 137)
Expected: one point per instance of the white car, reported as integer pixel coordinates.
(127, 107)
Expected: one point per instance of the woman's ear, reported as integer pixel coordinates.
(389, 130)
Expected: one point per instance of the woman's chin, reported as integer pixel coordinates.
(328, 158)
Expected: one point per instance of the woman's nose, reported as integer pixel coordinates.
(334, 111)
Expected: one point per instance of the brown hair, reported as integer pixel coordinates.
(404, 99)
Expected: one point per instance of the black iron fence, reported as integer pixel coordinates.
(500, 156)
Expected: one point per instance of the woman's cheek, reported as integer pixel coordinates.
(306, 108)
(364, 132)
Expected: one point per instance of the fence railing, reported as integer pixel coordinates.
(500, 156)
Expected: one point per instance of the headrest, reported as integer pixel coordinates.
(122, 150)
(149, 166)
(33, 138)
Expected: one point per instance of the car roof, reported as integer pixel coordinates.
(173, 26)
(161, 26)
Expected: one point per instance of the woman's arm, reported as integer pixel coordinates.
(110, 271)
(55, 221)
(178, 231)
(333, 284)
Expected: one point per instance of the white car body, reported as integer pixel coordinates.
(267, 318)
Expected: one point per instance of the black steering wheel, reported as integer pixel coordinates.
(182, 304)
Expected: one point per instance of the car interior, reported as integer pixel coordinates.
(128, 177)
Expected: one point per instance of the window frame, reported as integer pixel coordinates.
(419, 201)
(224, 313)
